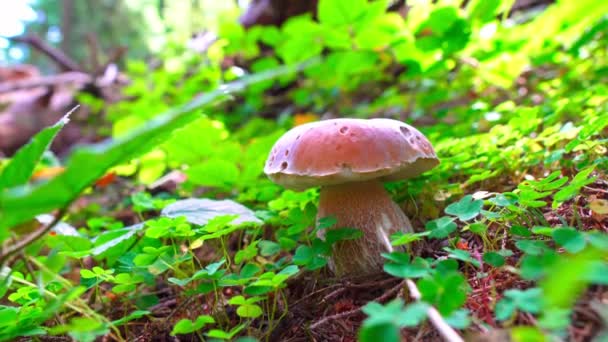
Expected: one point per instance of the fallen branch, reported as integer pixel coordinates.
(63, 60)
(44, 81)
(28, 240)
(435, 317)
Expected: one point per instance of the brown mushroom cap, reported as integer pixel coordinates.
(348, 150)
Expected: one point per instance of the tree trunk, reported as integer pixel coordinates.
(67, 14)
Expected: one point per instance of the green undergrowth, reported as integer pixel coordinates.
(510, 227)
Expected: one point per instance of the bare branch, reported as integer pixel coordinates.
(64, 61)
(28, 240)
(74, 77)
(435, 317)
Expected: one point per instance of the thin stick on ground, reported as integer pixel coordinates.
(388, 294)
(435, 317)
(348, 286)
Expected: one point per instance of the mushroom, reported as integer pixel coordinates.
(349, 159)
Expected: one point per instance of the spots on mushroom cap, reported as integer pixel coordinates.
(348, 149)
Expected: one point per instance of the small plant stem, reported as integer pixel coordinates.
(225, 252)
(271, 324)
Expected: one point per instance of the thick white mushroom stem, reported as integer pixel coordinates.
(368, 207)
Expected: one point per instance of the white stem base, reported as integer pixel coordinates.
(366, 206)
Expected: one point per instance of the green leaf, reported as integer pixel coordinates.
(465, 256)
(555, 319)
(22, 164)
(112, 242)
(216, 333)
(540, 230)
(384, 321)
(289, 270)
(483, 10)
(520, 231)
(142, 201)
(529, 300)
(441, 19)
(465, 209)
(237, 300)
(268, 248)
(598, 273)
(494, 259)
(536, 266)
(400, 239)
(598, 240)
(214, 267)
(82, 329)
(214, 172)
(312, 257)
(186, 326)
(441, 227)
(297, 46)
(459, 319)
(478, 228)
(504, 309)
(569, 238)
(249, 270)
(528, 333)
(379, 332)
(340, 12)
(87, 273)
(416, 269)
(413, 315)
(249, 311)
(133, 315)
(326, 222)
(532, 247)
(397, 257)
(448, 291)
(255, 290)
(246, 253)
(89, 163)
(581, 179)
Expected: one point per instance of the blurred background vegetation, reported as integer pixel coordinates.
(145, 26)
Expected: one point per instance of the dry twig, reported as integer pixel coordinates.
(388, 294)
(63, 60)
(21, 244)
